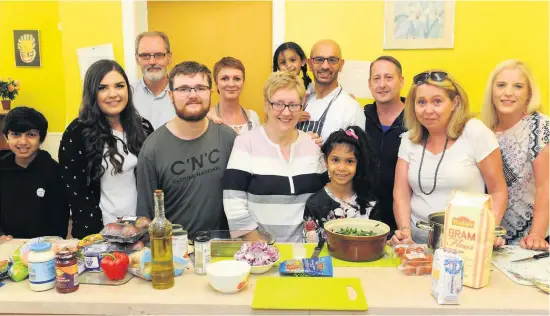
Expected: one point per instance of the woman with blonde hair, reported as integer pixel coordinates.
(510, 106)
(273, 169)
(445, 149)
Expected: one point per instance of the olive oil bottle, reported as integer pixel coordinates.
(160, 234)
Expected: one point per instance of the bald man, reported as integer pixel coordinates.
(329, 108)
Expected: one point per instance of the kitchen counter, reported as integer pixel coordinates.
(388, 292)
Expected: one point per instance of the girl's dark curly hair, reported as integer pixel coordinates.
(295, 47)
(97, 132)
(363, 182)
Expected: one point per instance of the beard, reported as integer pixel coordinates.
(154, 76)
(193, 116)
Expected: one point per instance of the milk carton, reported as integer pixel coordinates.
(447, 274)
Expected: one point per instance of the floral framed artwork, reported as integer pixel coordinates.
(27, 48)
(419, 24)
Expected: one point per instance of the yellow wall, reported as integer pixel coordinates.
(41, 87)
(485, 34)
(87, 23)
(55, 88)
(207, 31)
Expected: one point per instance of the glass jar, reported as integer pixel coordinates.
(66, 268)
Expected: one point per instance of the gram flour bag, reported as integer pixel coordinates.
(470, 230)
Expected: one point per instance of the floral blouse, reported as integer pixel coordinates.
(323, 206)
(520, 146)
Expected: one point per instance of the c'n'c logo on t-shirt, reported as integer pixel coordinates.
(194, 163)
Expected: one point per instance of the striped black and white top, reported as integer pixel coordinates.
(264, 191)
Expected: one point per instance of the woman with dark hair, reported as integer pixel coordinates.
(348, 155)
(290, 57)
(99, 149)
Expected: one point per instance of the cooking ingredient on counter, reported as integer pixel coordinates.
(355, 232)
(41, 267)
(93, 254)
(127, 248)
(18, 271)
(122, 232)
(180, 242)
(4, 267)
(142, 223)
(356, 248)
(310, 267)
(90, 240)
(202, 253)
(257, 253)
(160, 234)
(228, 276)
(447, 276)
(115, 265)
(415, 259)
(66, 270)
(140, 264)
(70, 244)
(469, 229)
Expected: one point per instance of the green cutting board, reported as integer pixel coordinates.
(303, 293)
(389, 259)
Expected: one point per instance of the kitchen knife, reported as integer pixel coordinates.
(318, 248)
(537, 256)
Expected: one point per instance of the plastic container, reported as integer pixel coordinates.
(415, 259)
(128, 229)
(41, 267)
(222, 245)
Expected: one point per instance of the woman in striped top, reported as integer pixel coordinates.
(274, 169)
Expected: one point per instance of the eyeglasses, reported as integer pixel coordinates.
(438, 76)
(186, 90)
(280, 106)
(145, 56)
(320, 60)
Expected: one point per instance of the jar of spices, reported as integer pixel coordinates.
(66, 268)
(41, 267)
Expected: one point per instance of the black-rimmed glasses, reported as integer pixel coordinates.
(437, 76)
(280, 106)
(146, 56)
(320, 60)
(185, 90)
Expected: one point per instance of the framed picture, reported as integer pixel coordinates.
(419, 24)
(27, 48)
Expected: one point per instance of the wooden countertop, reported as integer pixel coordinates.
(388, 292)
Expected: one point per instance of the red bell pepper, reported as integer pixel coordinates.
(115, 265)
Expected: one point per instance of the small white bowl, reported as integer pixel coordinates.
(228, 276)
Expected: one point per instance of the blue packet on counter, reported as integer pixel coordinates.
(309, 267)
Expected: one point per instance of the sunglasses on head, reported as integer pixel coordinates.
(438, 76)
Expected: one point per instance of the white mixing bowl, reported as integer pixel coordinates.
(228, 276)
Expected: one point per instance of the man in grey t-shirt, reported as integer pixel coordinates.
(187, 157)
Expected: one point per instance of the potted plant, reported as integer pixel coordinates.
(9, 89)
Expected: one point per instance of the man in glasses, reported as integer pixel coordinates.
(187, 157)
(151, 92)
(384, 125)
(329, 108)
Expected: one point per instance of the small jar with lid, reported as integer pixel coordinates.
(66, 268)
(41, 267)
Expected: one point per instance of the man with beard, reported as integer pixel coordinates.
(385, 124)
(329, 108)
(187, 157)
(151, 92)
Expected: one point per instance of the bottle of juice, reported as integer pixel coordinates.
(160, 234)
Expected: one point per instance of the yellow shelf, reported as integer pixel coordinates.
(3, 112)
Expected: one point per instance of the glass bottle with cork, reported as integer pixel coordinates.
(160, 234)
